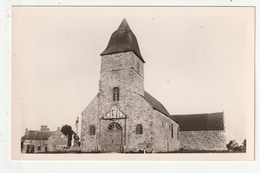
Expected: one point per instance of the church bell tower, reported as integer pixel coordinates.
(123, 117)
(122, 65)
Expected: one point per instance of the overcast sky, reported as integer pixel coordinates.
(197, 61)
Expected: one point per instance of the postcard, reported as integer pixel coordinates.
(132, 83)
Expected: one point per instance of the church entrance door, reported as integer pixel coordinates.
(114, 138)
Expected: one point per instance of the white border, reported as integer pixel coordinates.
(6, 165)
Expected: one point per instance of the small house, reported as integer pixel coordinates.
(43, 140)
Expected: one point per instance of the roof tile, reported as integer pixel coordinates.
(200, 122)
(156, 105)
(37, 135)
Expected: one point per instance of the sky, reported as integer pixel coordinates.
(198, 60)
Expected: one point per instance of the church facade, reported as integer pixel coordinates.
(123, 117)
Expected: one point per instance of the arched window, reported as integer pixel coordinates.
(114, 126)
(139, 129)
(92, 130)
(115, 94)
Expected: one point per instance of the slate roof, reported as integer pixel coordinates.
(37, 135)
(156, 105)
(200, 122)
(123, 40)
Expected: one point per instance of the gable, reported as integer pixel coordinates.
(58, 132)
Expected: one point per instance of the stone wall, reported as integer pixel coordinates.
(165, 141)
(203, 140)
(121, 70)
(37, 143)
(56, 140)
(139, 112)
(90, 117)
(126, 75)
(156, 135)
(156, 130)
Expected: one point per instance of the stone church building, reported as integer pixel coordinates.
(123, 117)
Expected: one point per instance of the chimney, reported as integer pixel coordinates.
(44, 128)
(26, 130)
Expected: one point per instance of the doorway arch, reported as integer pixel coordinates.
(114, 137)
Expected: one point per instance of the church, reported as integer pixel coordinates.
(123, 117)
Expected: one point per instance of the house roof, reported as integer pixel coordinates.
(123, 40)
(156, 104)
(200, 122)
(37, 135)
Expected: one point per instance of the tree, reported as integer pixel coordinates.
(22, 141)
(232, 146)
(244, 143)
(67, 130)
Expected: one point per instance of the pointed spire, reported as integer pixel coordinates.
(124, 25)
(123, 40)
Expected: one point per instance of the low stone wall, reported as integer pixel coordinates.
(203, 140)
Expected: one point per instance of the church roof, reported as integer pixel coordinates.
(200, 122)
(123, 40)
(37, 135)
(156, 104)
